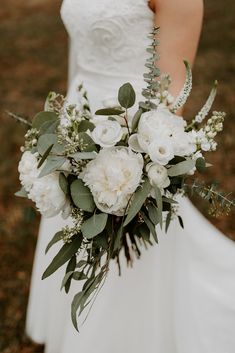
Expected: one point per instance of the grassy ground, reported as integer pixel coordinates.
(33, 58)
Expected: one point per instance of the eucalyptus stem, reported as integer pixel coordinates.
(19, 118)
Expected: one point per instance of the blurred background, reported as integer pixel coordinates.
(33, 60)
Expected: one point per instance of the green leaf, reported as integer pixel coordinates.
(136, 119)
(43, 117)
(153, 214)
(144, 231)
(138, 200)
(21, 193)
(45, 155)
(109, 111)
(64, 255)
(181, 222)
(117, 242)
(158, 195)
(81, 263)
(70, 267)
(87, 142)
(94, 225)
(82, 196)
(45, 141)
(126, 95)
(201, 164)
(64, 185)
(74, 308)
(79, 276)
(57, 237)
(181, 168)
(83, 155)
(168, 221)
(85, 125)
(67, 276)
(49, 127)
(53, 163)
(150, 225)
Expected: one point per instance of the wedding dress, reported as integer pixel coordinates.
(180, 296)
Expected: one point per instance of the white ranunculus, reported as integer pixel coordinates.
(161, 150)
(158, 175)
(28, 169)
(50, 200)
(107, 133)
(113, 177)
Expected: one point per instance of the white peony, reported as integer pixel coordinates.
(28, 169)
(159, 125)
(158, 175)
(50, 200)
(107, 133)
(113, 177)
(161, 150)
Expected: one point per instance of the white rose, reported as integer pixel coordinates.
(50, 200)
(28, 169)
(161, 151)
(113, 177)
(158, 175)
(107, 133)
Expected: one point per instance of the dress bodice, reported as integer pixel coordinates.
(110, 37)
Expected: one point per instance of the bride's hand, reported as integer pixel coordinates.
(180, 25)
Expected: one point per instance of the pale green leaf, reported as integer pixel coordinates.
(181, 168)
(43, 117)
(94, 225)
(82, 196)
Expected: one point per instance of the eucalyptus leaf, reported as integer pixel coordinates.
(67, 276)
(144, 231)
(45, 141)
(64, 255)
(94, 225)
(53, 163)
(153, 214)
(63, 182)
(201, 164)
(136, 119)
(70, 268)
(42, 117)
(85, 125)
(168, 221)
(49, 127)
(181, 168)
(74, 308)
(83, 155)
(126, 95)
(109, 111)
(57, 237)
(158, 195)
(88, 145)
(21, 193)
(181, 222)
(45, 155)
(79, 276)
(150, 225)
(117, 242)
(82, 196)
(138, 200)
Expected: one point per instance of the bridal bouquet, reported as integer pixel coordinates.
(115, 174)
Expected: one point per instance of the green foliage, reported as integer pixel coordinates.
(43, 117)
(45, 141)
(109, 111)
(94, 225)
(52, 164)
(201, 165)
(138, 200)
(158, 195)
(64, 255)
(85, 125)
(81, 196)
(181, 168)
(64, 185)
(45, 155)
(136, 119)
(21, 193)
(126, 96)
(57, 237)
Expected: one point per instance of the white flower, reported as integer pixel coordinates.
(28, 169)
(48, 196)
(158, 175)
(113, 177)
(107, 133)
(161, 151)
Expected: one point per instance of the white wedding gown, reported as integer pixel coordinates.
(180, 296)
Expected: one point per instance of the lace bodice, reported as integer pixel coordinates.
(110, 37)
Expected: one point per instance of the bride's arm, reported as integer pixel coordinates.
(180, 24)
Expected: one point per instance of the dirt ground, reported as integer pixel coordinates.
(33, 60)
